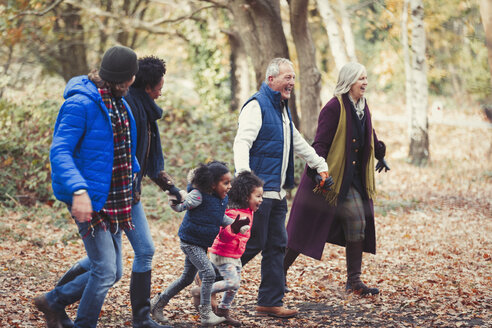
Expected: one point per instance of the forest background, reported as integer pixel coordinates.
(429, 67)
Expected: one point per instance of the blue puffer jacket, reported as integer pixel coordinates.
(81, 153)
(266, 153)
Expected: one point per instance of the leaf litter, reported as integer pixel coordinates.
(433, 263)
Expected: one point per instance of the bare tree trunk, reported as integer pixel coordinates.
(419, 137)
(262, 33)
(263, 36)
(347, 31)
(486, 13)
(406, 61)
(135, 9)
(240, 77)
(309, 75)
(70, 50)
(336, 42)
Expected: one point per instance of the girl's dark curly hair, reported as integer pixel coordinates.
(242, 187)
(206, 175)
(150, 72)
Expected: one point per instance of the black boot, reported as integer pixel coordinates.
(75, 271)
(289, 258)
(71, 274)
(140, 299)
(353, 252)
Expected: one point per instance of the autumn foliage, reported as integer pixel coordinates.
(433, 262)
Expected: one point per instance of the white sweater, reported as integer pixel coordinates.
(250, 122)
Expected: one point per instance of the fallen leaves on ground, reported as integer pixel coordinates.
(433, 263)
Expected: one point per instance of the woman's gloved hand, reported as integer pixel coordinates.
(324, 183)
(382, 165)
(176, 193)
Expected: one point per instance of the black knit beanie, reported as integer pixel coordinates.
(119, 64)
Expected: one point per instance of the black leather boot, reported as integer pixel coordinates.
(289, 258)
(140, 299)
(353, 252)
(75, 271)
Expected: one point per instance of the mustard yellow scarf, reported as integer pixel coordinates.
(336, 161)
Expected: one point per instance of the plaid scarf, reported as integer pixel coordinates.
(117, 211)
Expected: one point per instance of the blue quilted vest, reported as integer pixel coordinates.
(201, 224)
(266, 153)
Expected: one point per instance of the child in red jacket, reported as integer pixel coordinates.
(245, 197)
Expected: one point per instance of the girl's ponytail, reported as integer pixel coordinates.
(206, 175)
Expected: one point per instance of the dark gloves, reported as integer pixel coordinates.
(163, 180)
(379, 150)
(382, 165)
(175, 192)
(318, 179)
(240, 224)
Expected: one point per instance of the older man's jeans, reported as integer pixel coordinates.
(140, 239)
(104, 252)
(269, 236)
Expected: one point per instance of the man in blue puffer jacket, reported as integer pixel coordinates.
(93, 162)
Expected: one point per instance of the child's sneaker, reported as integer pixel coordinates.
(157, 304)
(208, 318)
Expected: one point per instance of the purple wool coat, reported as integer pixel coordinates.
(312, 220)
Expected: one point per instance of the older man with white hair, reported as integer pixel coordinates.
(265, 143)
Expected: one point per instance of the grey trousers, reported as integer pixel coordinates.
(351, 214)
(196, 260)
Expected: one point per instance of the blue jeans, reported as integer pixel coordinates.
(140, 239)
(269, 236)
(104, 253)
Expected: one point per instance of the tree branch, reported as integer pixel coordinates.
(39, 13)
(220, 4)
(178, 19)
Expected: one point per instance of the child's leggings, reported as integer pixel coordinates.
(230, 284)
(196, 260)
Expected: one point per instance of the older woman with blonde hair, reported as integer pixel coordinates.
(343, 213)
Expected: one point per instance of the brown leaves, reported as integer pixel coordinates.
(433, 263)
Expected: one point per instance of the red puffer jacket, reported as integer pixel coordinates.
(229, 244)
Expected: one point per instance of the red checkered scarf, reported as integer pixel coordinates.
(117, 210)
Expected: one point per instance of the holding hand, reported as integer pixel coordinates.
(176, 193)
(240, 225)
(382, 165)
(324, 180)
(173, 198)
